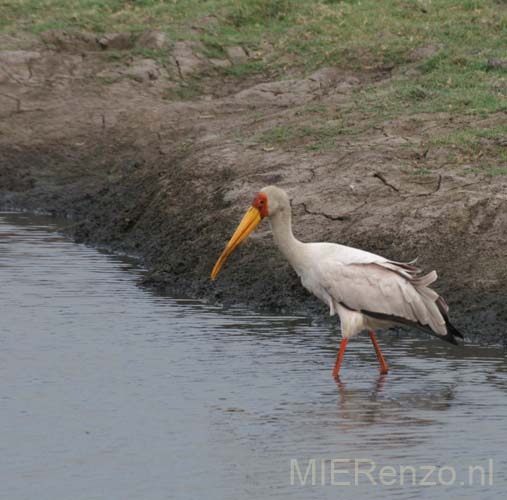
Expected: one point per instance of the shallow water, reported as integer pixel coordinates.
(108, 391)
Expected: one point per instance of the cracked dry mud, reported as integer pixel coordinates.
(99, 142)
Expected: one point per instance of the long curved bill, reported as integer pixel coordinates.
(249, 222)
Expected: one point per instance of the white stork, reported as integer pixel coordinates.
(366, 290)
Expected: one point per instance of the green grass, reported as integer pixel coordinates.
(318, 135)
(489, 170)
(312, 32)
(473, 136)
(495, 170)
(279, 134)
(304, 35)
(107, 80)
(245, 69)
(463, 88)
(422, 171)
(187, 92)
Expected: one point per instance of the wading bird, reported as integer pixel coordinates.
(366, 290)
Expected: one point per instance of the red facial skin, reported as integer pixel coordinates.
(261, 203)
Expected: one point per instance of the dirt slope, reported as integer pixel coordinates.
(106, 144)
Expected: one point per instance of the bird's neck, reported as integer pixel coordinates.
(290, 246)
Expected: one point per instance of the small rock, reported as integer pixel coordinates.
(14, 64)
(423, 53)
(63, 41)
(220, 63)
(497, 64)
(236, 54)
(407, 71)
(144, 70)
(8, 106)
(152, 39)
(18, 41)
(15, 57)
(116, 41)
(187, 60)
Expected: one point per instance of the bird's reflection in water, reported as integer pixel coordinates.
(390, 411)
(378, 385)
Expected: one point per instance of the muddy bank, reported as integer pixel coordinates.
(110, 144)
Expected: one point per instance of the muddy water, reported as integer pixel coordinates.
(110, 392)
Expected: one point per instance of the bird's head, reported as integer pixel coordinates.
(268, 202)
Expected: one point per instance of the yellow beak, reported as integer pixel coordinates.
(249, 222)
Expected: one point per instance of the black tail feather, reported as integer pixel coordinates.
(450, 337)
(452, 332)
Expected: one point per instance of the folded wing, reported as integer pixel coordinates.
(390, 291)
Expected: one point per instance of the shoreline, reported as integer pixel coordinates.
(168, 180)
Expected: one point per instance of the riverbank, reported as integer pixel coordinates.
(159, 157)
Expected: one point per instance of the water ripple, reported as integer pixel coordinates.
(109, 391)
